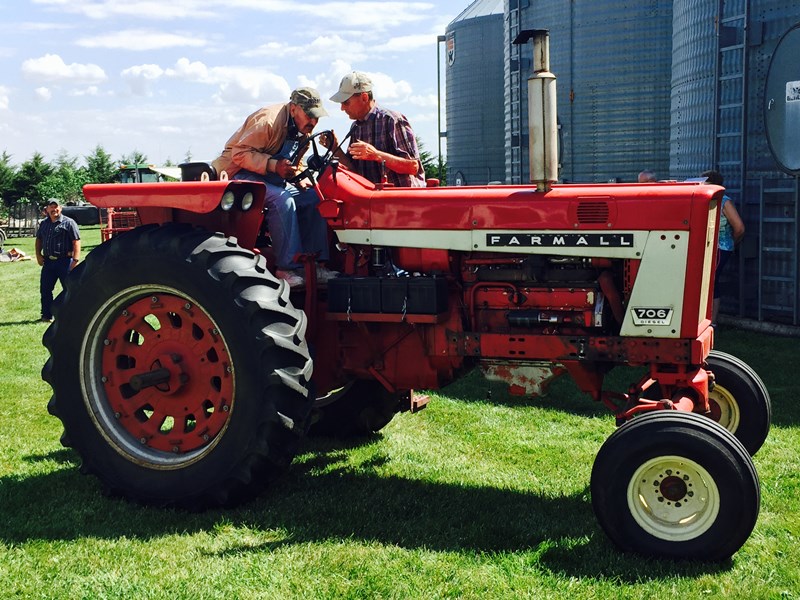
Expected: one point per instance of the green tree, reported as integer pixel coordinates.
(30, 174)
(134, 158)
(7, 173)
(100, 168)
(65, 182)
(430, 164)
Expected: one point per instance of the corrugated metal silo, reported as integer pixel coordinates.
(722, 51)
(694, 56)
(474, 91)
(613, 61)
(770, 203)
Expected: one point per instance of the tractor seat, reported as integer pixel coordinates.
(198, 171)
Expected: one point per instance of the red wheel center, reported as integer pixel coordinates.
(166, 373)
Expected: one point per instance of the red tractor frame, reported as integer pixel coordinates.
(182, 368)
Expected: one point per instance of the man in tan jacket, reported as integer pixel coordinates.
(260, 150)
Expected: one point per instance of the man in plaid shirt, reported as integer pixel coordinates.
(382, 142)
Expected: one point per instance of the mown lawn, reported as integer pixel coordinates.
(481, 495)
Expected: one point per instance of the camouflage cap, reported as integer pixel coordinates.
(309, 100)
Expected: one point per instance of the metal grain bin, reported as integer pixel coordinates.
(613, 62)
(474, 92)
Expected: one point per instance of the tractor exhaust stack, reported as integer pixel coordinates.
(542, 111)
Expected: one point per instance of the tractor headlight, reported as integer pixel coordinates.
(227, 200)
(247, 201)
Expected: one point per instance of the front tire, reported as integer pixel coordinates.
(179, 368)
(675, 485)
(739, 400)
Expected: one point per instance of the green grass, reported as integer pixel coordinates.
(481, 495)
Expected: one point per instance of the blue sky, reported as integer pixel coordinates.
(167, 77)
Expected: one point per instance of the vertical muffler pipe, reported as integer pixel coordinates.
(542, 111)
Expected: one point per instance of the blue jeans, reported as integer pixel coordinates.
(295, 225)
(52, 271)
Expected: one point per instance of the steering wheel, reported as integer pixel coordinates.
(316, 162)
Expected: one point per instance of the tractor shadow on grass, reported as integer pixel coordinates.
(324, 497)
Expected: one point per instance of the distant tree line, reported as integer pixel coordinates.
(36, 180)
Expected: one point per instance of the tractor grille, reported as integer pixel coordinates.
(593, 212)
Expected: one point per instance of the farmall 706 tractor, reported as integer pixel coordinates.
(185, 374)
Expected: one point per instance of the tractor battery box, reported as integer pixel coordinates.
(354, 294)
(394, 295)
(414, 295)
(339, 294)
(427, 295)
(389, 295)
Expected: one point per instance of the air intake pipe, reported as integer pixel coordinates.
(542, 111)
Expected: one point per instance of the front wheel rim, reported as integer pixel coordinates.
(157, 377)
(724, 408)
(673, 498)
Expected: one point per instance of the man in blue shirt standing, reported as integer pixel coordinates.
(58, 250)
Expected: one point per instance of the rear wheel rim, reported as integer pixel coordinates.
(157, 377)
(673, 498)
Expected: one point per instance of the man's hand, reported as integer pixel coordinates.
(285, 169)
(364, 151)
(328, 140)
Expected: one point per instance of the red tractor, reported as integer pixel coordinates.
(186, 374)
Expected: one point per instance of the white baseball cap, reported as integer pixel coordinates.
(352, 83)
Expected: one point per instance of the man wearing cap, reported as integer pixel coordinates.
(58, 250)
(260, 150)
(381, 141)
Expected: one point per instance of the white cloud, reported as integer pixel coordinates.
(190, 71)
(250, 85)
(153, 10)
(140, 40)
(404, 43)
(425, 100)
(139, 77)
(4, 98)
(272, 50)
(92, 90)
(43, 93)
(375, 15)
(320, 49)
(52, 68)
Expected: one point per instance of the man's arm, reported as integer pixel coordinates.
(76, 253)
(398, 164)
(39, 255)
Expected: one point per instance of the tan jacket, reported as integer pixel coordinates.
(254, 143)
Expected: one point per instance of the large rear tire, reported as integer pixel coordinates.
(179, 368)
(676, 485)
(362, 408)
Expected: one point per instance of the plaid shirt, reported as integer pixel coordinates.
(388, 131)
